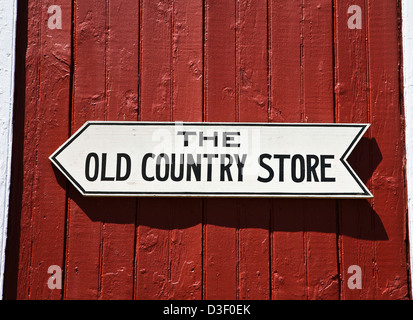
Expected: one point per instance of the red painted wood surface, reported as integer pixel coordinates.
(176, 60)
(352, 99)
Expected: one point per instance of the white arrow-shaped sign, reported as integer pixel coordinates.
(212, 159)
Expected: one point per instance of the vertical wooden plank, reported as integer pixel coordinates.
(84, 234)
(254, 249)
(186, 249)
(47, 106)
(318, 96)
(310, 56)
(252, 61)
(118, 228)
(156, 72)
(386, 114)
(219, 62)
(254, 214)
(7, 71)
(152, 279)
(352, 99)
(220, 262)
(187, 104)
(31, 105)
(288, 274)
(170, 230)
(187, 60)
(48, 210)
(153, 269)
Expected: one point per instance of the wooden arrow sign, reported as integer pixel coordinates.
(212, 159)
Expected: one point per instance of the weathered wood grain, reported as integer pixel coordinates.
(220, 261)
(153, 245)
(352, 99)
(122, 78)
(318, 103)
(169, 242)
(186, 223)
(288, 263)
(83, 270)
(386, 116)
(304, 263)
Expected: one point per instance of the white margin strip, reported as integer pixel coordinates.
(407, 35)
(8, 16)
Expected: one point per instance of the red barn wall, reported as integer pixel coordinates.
(211, 61)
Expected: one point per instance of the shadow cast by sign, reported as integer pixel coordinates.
(167, 213)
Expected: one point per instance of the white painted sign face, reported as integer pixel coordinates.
(212, 159)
